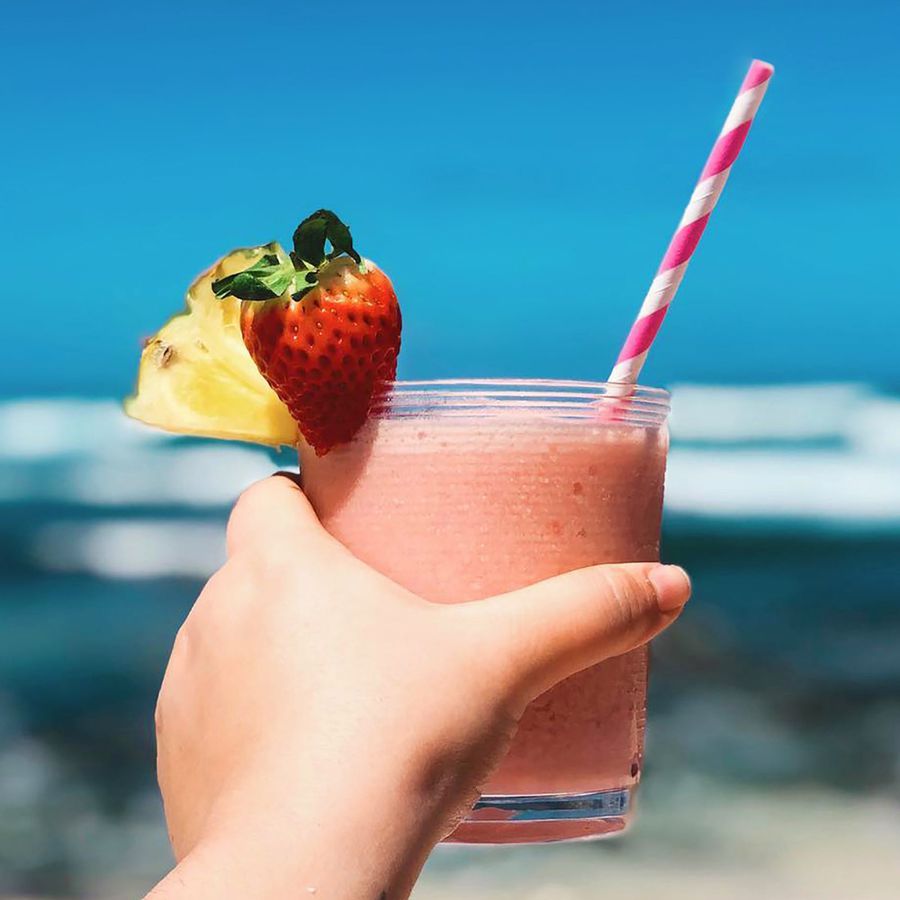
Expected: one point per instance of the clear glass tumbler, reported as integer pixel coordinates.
(461, 490)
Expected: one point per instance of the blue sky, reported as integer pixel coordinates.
(517, 168)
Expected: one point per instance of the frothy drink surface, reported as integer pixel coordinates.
(459, 508)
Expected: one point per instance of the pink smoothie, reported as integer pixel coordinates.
(458, 508)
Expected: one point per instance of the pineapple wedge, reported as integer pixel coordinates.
(196, 376)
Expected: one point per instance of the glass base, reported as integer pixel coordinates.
(521, 819)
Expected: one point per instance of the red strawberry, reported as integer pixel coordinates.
(323, 329)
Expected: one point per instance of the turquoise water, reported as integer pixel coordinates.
(783, 504)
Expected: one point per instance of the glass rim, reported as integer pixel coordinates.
(549, 383)
(602, 402)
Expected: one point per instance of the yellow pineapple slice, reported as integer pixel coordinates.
(196, 376)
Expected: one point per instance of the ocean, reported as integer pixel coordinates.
(775, 701)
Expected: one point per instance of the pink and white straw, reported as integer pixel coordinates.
(684, 242)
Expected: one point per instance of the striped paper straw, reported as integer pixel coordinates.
(684, 242)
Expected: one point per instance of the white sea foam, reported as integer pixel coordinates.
(36, 429)
(169, 475)
(151, 548)
(782, 413)
(749, 453)
(196, 476)
(831, 487)
(819, 453)
(875, 427)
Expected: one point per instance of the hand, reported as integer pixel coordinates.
(320, 728)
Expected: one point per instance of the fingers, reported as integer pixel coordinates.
(550, 630)
(269, 511)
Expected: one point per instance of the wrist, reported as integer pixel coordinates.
(269, 840)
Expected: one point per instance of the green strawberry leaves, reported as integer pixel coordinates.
(311, 235)
(269, 277)
(274, 272)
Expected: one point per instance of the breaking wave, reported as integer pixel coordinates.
(115, 494)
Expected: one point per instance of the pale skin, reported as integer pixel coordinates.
(320, 728)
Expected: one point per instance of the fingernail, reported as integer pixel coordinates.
(672, 586)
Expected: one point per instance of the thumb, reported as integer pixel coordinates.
(550, 630)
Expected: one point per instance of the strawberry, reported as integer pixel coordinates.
(322, 328)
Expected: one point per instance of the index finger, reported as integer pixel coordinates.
(272, 510)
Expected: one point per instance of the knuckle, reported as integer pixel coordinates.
(162, 710)
(180, 660)
(221, 601)
(182, 645)
(249, 499)
(244, 501)
(219, 585)
(254, 492)
(626, 591)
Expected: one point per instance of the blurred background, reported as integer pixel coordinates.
(518, 169)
